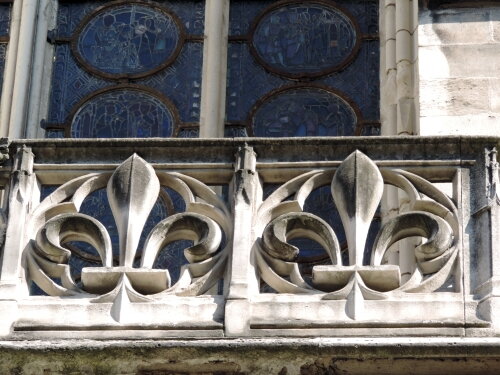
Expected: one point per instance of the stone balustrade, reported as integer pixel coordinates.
(246, 212)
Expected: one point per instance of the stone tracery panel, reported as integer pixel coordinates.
(132, 191)
(357, 187)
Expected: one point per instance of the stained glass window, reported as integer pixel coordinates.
(123, 113)
(126, 69)
(315, 63)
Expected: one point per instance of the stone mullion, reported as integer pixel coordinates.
(21, 190)
(398, 73)
(213, 89)
(486, 215)
(23, 69)
(10, 68)
(43, 54)
(398, 98)
(388, 67)
(406, 67)
(243, 280)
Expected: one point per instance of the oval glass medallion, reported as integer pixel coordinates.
(128, 40)
(308, 39)
(304, 112)
(123, 113)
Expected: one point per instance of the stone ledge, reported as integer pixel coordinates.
(253, 356)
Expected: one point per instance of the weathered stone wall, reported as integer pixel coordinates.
(428, 356)
(459, 57)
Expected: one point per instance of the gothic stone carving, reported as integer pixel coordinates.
(132, 190)
(357, 187)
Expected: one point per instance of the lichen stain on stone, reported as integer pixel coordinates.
(317, 368)
(209, 368)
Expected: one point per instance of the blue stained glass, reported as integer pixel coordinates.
(304, 38)
(71, 14)
(304, 112)
(70, 84)
(128, 39)
(180, 82)
(369, 130)
(360, 80)
(123, 113)
(249, 81)
(5, 15)
(235, 132)
(189, 133)
(243, 12)
(54, 133)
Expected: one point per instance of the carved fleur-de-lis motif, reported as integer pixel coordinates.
(357, 187)
(132, 190)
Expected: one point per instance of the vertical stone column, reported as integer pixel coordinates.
(399, 87)
(406, 76)
(387, 28)
(41, 75)
(20, 197)
(485, 253)
(399, 97)
(23, 71)
(243, 281)
(213, 87)
(10, 68)
(11, 269)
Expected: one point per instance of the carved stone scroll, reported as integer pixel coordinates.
(132, 190)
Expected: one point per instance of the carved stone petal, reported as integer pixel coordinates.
(132, 192)
(299, 225)
(435, 229)
(357, 188)
(73, 227)
(205, 233)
